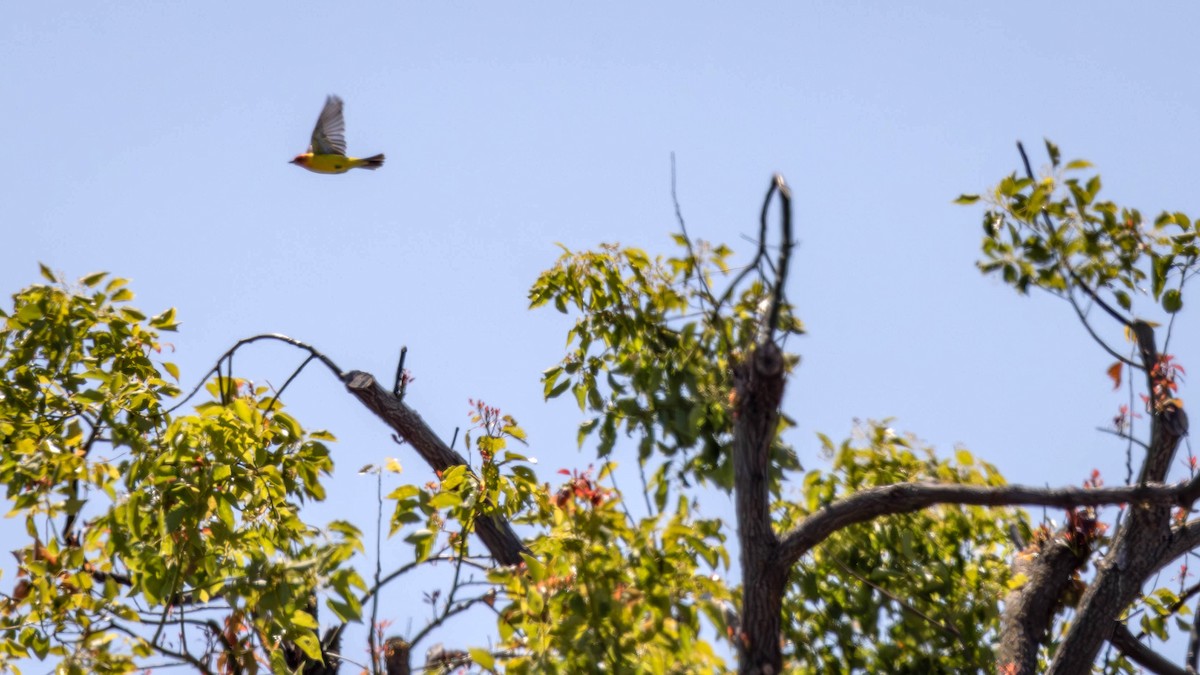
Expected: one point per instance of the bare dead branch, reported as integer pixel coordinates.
(228, 356)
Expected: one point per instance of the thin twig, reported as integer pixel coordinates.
(446, 615)
(1088, 327)
(612, 475)
(378, 568)
(400, 383)
(1126, 437)
(687, 239)
(182, 656)
(1171, 324)
(762, 246)
(271, 405)
(904, 604)
(646, 489)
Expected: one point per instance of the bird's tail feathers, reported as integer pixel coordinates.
(373, 162)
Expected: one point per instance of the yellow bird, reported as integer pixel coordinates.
(327, 153)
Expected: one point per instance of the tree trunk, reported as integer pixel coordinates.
(1144, 538)
(1029, 610)
(758, 387)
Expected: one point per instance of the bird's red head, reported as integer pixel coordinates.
(302, 160)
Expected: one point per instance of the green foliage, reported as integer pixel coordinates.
(913, 593)
(504, 486)
(652, 350)
(133, 513)
(603, 593)
(1056, 234)
(651, 353)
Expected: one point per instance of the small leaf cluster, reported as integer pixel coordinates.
(1055, 233)
(652, 349)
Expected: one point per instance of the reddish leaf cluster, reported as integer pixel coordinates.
(581, 487)
(1083, 527)
(1165, 377)
(1123, 419)
(486, 417)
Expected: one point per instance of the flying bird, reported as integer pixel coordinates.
(327, 153)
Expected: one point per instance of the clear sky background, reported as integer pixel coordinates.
(152, 139)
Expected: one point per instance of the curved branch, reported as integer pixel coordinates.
(909, 497)
(785, 251)
(776, 182)
(313, 351)
(1095, 337)
(182, 655)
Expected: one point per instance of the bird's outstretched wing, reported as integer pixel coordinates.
(329, 136)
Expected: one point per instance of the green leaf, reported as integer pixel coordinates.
(966, 199)
(483, 657)
(165, 321)
(309, 645)
(1172, 301)
(93, 279)
(444, 500)
(454, 476)
(49, 276)
(1052, 150)
(585, 429)
(537, 571)
(303, 619)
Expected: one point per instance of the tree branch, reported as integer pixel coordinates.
(228, 355)
(909, 497)
(1135, 651)
(1029, 610)
(496, 533)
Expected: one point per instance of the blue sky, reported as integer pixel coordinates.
(152, 139)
